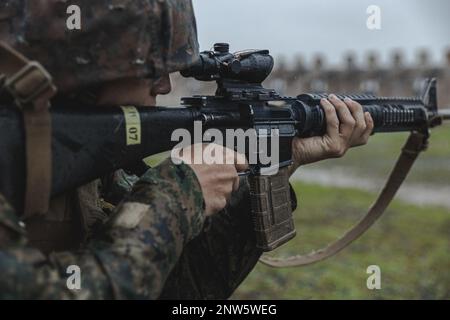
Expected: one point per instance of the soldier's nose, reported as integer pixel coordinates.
(161, 86)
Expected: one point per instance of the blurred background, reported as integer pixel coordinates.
(326, 46)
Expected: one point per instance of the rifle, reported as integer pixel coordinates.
(89, 142)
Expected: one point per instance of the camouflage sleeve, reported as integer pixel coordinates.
(215, 263)
(131, 258)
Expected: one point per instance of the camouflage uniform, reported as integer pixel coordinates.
(130, 258)
(155, 243)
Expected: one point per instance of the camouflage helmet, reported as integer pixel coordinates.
(118, 38)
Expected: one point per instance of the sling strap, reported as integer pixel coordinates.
(416, 143)
(32, 87)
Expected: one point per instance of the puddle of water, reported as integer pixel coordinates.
(418, 194)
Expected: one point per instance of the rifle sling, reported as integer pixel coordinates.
(31, 87)
(416, 143)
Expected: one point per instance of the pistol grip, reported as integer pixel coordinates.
(271, 209)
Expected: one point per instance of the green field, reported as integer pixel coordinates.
(377, 158)
(410, 244)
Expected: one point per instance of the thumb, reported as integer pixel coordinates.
(240, 161)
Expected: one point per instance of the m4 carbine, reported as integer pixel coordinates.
(89, 142)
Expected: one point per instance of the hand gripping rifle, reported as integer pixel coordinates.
(89, 142)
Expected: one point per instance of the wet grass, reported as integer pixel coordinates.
(410, 244)
(379, 155)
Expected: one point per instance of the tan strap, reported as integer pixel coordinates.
(31, 86)
(416, 143)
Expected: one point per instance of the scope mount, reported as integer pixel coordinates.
(238, 75)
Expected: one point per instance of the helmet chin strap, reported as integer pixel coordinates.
(32, 88)
(416, 143)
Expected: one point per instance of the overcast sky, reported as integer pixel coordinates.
(330, 27)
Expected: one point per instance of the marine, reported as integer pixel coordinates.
(169, 232)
